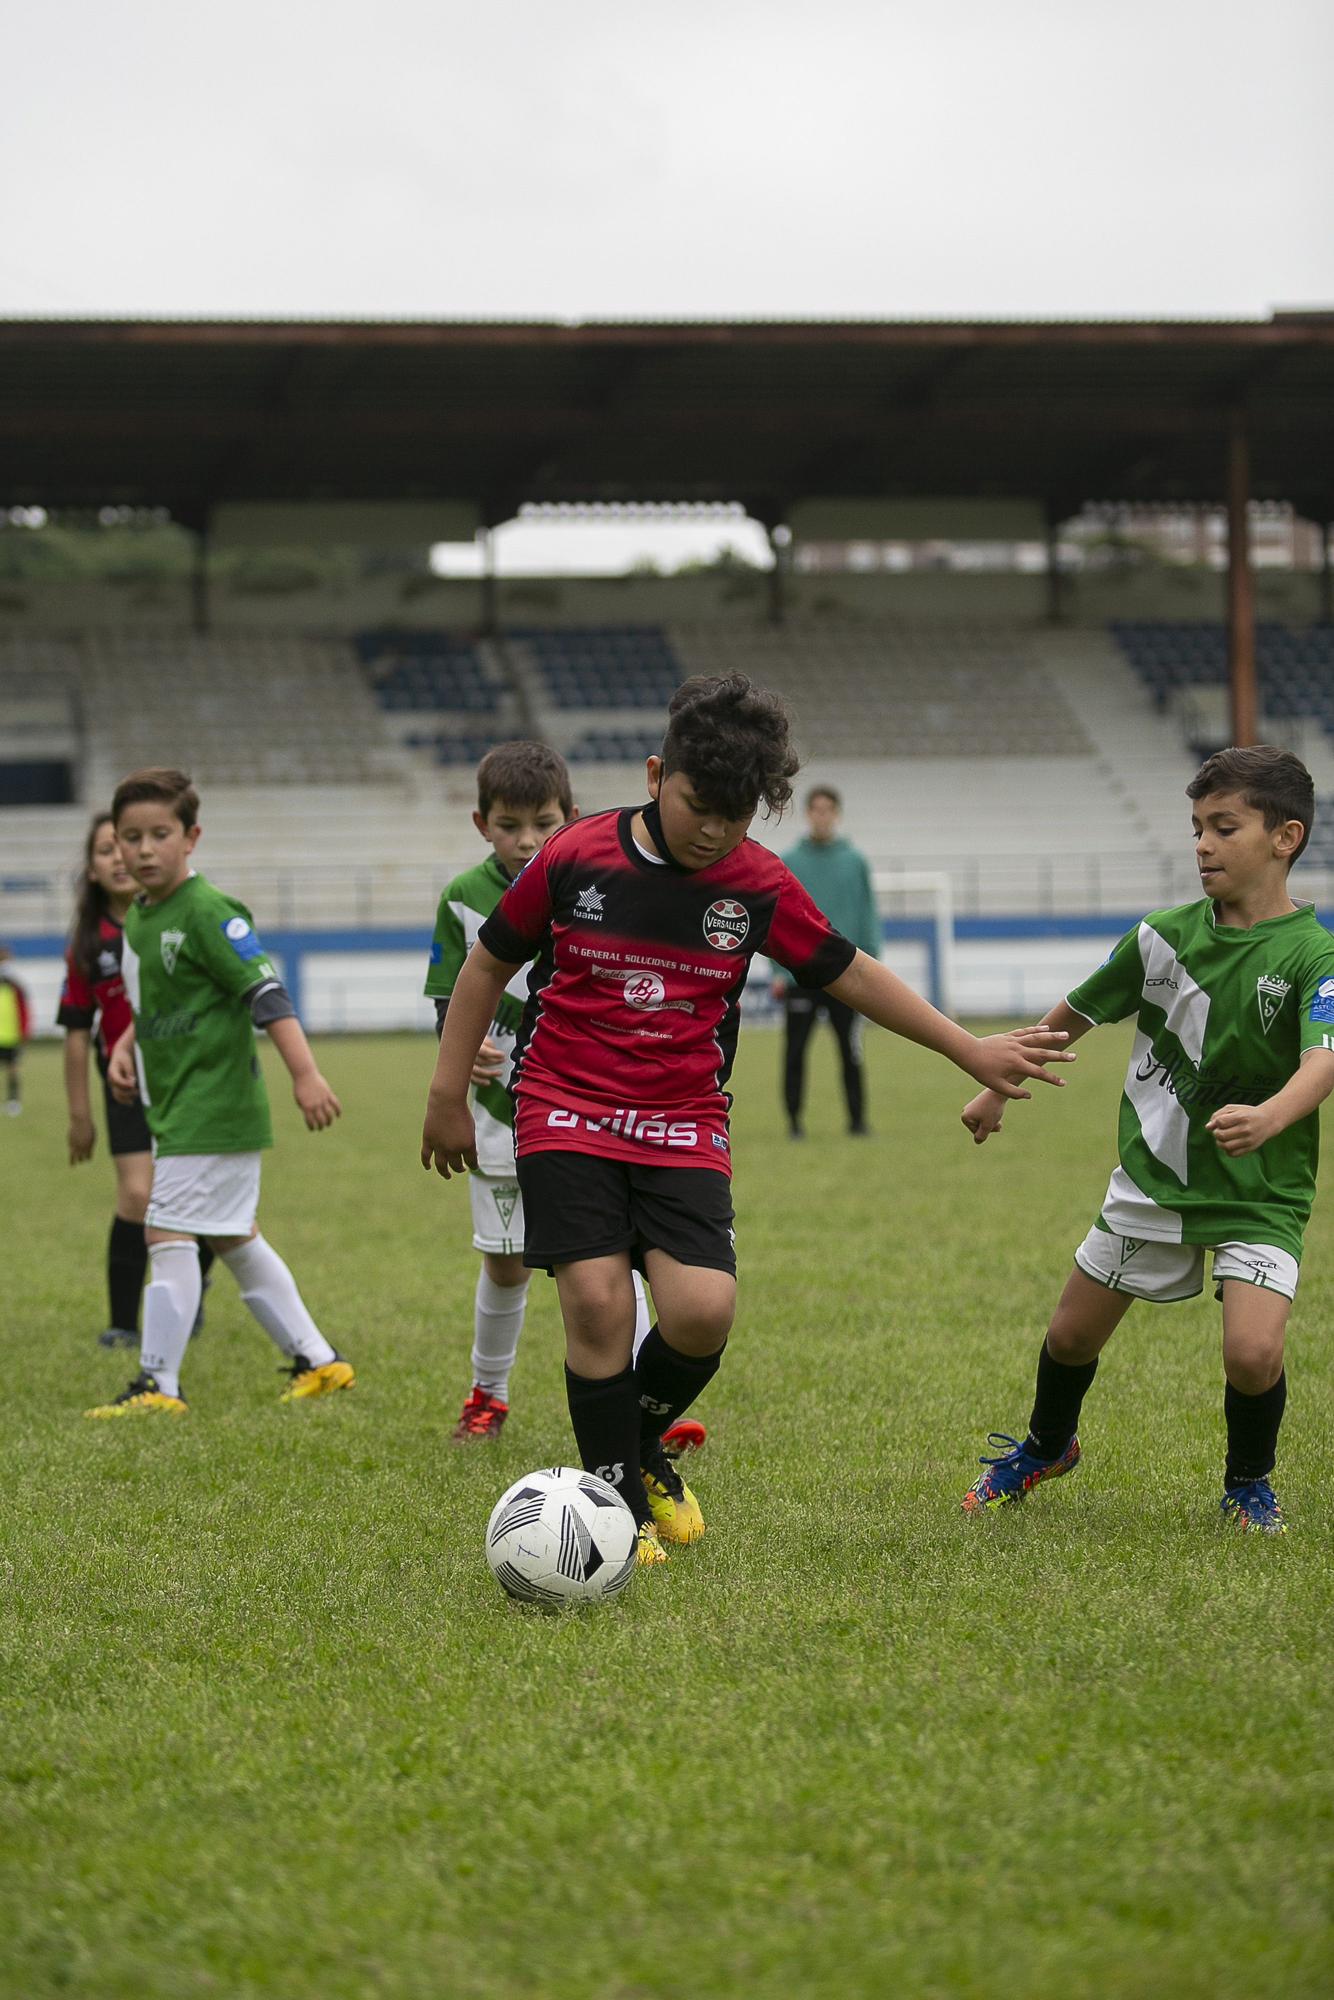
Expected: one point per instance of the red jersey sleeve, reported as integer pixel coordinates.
(78, 1002)
(802, 938)
(518, 923)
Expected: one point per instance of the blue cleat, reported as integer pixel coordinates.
(1010, 1476)
(1253, 1506)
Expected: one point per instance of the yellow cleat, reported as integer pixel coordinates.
(321, 1381)
(143, 1398)
(676, 1511)
(648, 1549)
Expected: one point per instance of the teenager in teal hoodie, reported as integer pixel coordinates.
(839, 881)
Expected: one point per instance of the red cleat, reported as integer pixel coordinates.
(686, 1435)
(481, 1418)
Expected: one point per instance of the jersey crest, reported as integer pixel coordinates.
(171, 942)
(1271, 992)
(726, 924)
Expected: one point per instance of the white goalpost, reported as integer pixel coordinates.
(931, 893)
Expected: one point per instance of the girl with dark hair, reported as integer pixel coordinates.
(94, 1012)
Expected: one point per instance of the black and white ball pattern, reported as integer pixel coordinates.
(561, 1537)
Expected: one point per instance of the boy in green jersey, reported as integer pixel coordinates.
(199, 983)
(1219, 1132)
(523, 796)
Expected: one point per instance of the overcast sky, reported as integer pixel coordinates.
(693, 158)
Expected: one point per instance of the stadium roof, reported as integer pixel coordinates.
(187, 414)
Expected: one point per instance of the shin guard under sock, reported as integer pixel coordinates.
(667, 1383)
(1061, 1390)
(1252, 1431)
(605, 1417)
(170, 1304)
(127, 1268)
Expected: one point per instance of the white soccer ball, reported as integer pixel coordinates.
(561, 1537)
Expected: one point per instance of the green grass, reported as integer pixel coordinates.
(267, 1726)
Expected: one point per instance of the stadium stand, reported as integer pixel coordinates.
(1038, 767)
(249, 709)
(420, 677)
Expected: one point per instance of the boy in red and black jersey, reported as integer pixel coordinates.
(644, 923)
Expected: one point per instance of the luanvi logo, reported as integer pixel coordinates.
(171, 942)
(589, 904)
(1271, 992)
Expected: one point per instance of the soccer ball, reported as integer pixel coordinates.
(561, 1537)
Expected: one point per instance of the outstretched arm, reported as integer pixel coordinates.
(449, 1142)
(983, 1115)
(999, 1061)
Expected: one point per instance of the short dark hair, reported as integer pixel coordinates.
(523, 774)
(173, 788)
(824, 792)
(1272, 782)
(733, 741)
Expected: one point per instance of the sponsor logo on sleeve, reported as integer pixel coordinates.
(726, 924)
(1322, 1007)
(171, 942)
(241, 938)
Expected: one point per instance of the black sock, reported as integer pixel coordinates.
(605, 1416)
(127, 1263)
(667, 1383)
(1252, 1432)
(1061, 1389)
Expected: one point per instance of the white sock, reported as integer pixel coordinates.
(269, 1290)
(643, 1315)
(171, 1301)
(497, 1323)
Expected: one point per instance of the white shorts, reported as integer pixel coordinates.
(497, 1214)
(205, 1194)
(1163, 1272)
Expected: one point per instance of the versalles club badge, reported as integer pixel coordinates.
(726, 924)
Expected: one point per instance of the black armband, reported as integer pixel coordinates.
(441, 1009)
(270, 1002)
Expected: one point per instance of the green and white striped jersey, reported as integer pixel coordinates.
(464, 907)
(1224, 1017)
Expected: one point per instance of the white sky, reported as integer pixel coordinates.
(1006, 158)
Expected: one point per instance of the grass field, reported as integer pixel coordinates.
(267, 1726)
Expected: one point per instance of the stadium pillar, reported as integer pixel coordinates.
(199, 604)
(780, 542)
(490, 595)
(1055, 591)
(1240, 590)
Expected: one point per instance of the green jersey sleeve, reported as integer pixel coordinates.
(1318, 1004)
(222, 942)
(1115, 989)
(449, 948)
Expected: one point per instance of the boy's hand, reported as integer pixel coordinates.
(490, 1061)
(1242, 1128)
(1001, 1060)
(121, 1072)
(449, 1138)
(983, 1115)
(318, 1105)
(82, 1138)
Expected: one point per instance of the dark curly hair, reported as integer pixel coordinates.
(732, 740)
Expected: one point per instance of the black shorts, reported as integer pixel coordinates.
(127, 1127)
(578, 1205)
